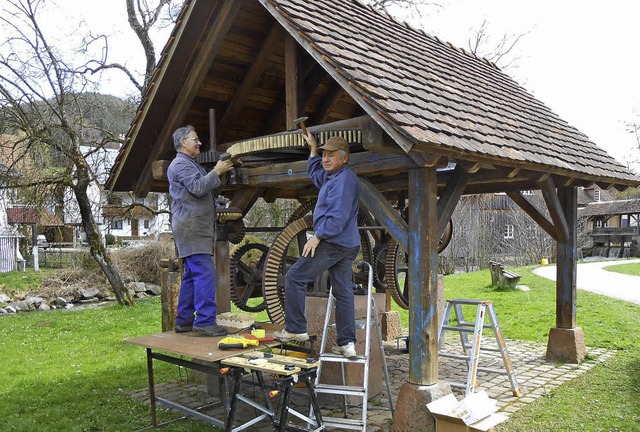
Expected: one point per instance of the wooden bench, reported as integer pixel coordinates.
(501, 277)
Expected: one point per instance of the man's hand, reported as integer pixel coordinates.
(223, 166)
(310, 246)
(311, 142)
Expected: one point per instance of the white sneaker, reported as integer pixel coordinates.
(285, 336)
(348, 351)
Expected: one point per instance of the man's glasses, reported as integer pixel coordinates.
(194, 139)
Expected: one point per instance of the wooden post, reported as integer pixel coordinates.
(567, 269)
(223, 276)
(566, 341)
(423, 277)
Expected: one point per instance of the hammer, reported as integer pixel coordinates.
(300, 121)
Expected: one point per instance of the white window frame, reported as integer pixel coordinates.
(509, 231)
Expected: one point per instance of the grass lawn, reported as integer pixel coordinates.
(70, 370)
(630, 269)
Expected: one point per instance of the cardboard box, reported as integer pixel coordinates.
(450, 414)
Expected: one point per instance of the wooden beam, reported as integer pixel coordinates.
(450, 197)
(422, 277)
(253, 75)
(555, 210)
(567, 270)
(533, 212)
(196, 73)
(244, 199)
(331, 99)
(365, 163)
(293, 83)
(383, 212)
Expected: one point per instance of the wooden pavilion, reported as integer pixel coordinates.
(427, 123)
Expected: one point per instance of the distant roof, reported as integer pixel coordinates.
(30, 215)
(429, 96)
(603, 208)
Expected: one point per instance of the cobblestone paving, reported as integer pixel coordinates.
(535, 377)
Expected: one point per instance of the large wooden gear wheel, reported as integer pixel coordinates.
(247, 266)
(281, 255)
(396, 267)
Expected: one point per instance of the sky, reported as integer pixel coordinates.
(578, 57)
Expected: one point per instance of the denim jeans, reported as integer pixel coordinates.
(197, 292)
(337, 260)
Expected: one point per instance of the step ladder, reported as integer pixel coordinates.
(472, 350)
(344, 390)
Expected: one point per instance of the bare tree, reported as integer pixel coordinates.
(44, 107)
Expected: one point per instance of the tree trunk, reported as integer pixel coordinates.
(97, 249)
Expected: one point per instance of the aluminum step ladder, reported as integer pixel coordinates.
(360, 391)
(472, 350)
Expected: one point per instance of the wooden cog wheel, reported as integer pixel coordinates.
(247, 264)
(397, 269)
(277, 262)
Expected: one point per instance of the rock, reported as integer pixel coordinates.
(60, 301)
(21, 305)
(43, 307)
(69, 306)
(4, 298)
(154, 289)
(10, 309)
(34, 302)
(138, 286)
(89, 293)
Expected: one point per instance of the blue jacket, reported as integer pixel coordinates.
(193, 213)
(335, 217)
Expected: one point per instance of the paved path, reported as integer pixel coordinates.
(592, 277)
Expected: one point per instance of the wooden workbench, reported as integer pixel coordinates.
(202, 354)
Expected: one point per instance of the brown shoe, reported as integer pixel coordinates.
(210, 331)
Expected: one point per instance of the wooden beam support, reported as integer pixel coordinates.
(567, 270)
(422, 277)
(211, 44)
(533, 212)
(253, 75)
(294, 88)
(553, 205)
(450, 197)
(383, 212)
(365, 163)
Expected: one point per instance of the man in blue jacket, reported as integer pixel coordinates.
(334, 245)
(192, 222)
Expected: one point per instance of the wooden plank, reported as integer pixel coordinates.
(198, 347)
(261, 365)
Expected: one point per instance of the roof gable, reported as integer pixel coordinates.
(227, 60)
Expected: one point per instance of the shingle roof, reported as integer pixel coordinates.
(30, 215)
(439, 95)
(603, 208)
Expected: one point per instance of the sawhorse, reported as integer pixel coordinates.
(291, 370)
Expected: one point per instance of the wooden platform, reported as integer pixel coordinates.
(199, 347)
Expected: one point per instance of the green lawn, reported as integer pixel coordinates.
(70, 370)
(630, 269)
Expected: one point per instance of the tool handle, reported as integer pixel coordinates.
(226, 346)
